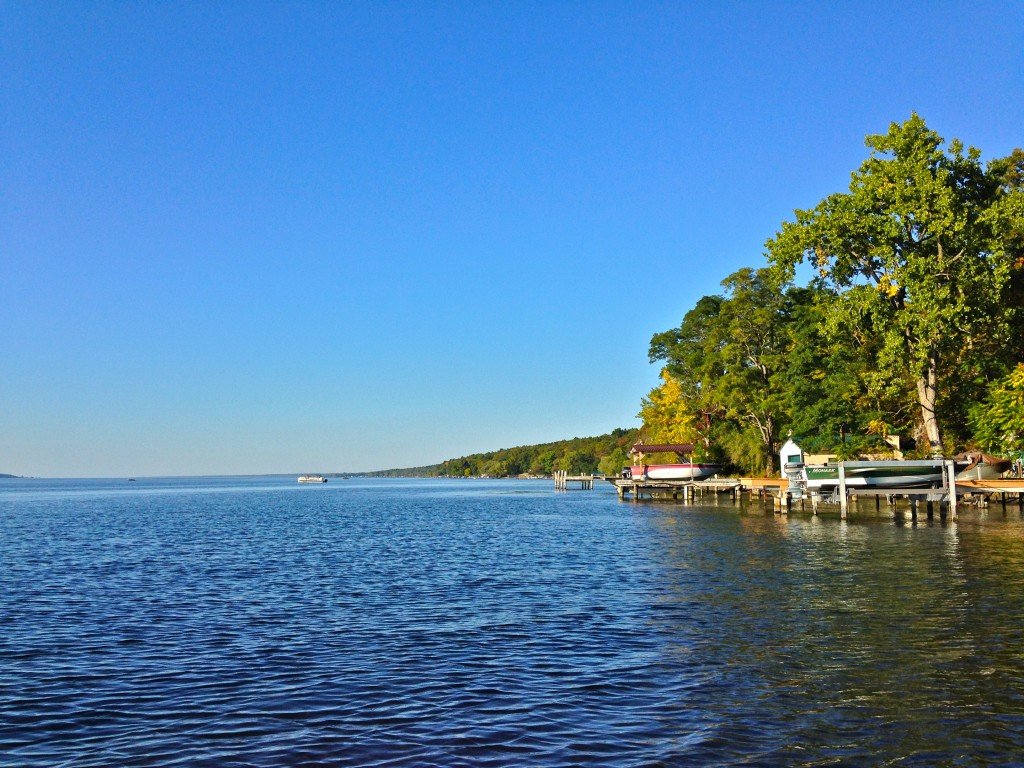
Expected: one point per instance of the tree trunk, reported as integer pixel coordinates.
(767, 429)
(926, 387)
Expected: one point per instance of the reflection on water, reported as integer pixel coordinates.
(869, 641)
(250, 622)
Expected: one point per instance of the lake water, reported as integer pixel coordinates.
(257, 622)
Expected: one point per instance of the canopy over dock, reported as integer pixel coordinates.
(639, 449)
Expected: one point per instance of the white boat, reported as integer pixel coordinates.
(674, 471)
(312, 479)
(823, 479)
(981, 466)
(685, 470)
(875, 474)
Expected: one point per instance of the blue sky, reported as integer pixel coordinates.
(246, 238)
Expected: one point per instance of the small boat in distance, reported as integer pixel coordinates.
(684, 470)
(312, 479)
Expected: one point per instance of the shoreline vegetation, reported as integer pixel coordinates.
(581, 455)
(905, 339)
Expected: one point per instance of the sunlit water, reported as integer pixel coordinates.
(257, 622)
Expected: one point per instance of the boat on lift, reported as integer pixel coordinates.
(823, 479)
(683, 470)
(875, 474)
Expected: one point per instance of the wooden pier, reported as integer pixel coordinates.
(675, 490)
(946, 495)
(985, 490)
(946, 499)
(563, 481)
(914, 500)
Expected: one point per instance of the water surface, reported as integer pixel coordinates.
(257, 622)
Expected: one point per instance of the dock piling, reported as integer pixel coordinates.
(950, 477)
(843, 500)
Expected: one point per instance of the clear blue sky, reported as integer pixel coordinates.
(245, 238)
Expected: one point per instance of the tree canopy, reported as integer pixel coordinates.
(913, 314)
(999, 420)
(917, 253)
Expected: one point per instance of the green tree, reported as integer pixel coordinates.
(917, 253)
(725, 356)
(999, 421)
(691, 357)
(823, 381)
(578, 462)
(753, 341)
(543, 463)
(613, 463)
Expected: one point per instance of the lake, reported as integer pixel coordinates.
(259, 622)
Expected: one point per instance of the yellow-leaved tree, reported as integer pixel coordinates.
(666, 416)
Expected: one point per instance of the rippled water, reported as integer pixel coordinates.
(255, 622)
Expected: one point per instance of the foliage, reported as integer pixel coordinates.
(613, 463)
(915, 310)
(751, 344)
(721, 369)
(578, 462)
(666, 415)
(915, 255)
(691, 360)
(579, 455)
(824, 382)
(999, 420)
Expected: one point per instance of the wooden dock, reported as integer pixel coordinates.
(674, 490)
(564, 481)
(985, 490)
(947, 498)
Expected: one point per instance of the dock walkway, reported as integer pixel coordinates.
(776, 491)
(675, 490)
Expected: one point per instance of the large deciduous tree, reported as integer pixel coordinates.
(918, 254)
(720, 374)
(752, 342)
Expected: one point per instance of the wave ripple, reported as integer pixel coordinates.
(373, 623)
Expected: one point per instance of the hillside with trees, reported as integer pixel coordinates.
(606, 453)
(911, 324)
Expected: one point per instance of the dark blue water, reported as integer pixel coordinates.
(238, 622)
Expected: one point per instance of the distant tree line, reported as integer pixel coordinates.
(580, 455)
(911, 322)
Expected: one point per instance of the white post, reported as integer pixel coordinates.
(842, 490)
(951, 481)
